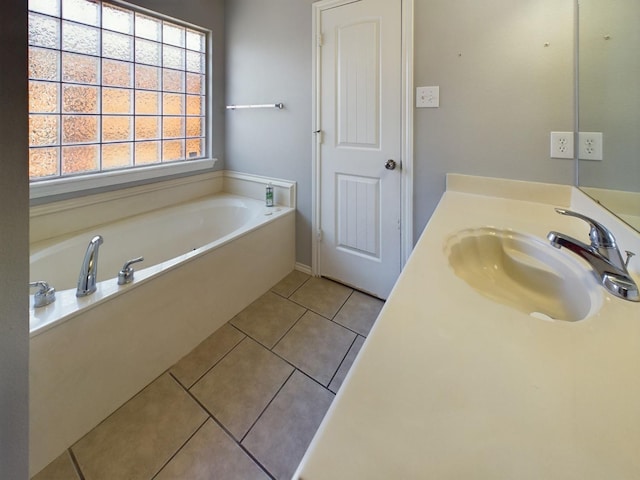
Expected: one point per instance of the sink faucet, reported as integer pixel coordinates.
(89, 269)
(603, 256)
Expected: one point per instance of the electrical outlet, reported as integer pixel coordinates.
(561, 144)
(590, 145)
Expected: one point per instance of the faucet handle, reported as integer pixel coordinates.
(600, 235)
(126, 274)
(44, 296)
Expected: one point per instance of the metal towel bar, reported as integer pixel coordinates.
(279, 106)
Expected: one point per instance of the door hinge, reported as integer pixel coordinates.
(319, 235)
(319, 136)
(319, 40)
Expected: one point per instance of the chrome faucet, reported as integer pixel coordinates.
(89, 269)
(603, 256)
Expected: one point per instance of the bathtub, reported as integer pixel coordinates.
(165, 238)
(204, 261)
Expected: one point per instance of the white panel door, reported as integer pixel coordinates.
(360, 115)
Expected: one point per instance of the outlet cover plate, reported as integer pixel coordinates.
(590, 145)
(561, 145)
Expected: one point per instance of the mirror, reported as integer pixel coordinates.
(609, 102)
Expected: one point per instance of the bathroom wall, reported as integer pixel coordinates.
(502, 92)
(269, 61)
(14, 241)
(610, 92)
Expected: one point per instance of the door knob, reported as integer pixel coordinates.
(390, 165)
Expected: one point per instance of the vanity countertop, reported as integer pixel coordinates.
(451, 385)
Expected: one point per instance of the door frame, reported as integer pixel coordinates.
(406, 201)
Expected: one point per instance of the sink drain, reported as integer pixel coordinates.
(541, 316)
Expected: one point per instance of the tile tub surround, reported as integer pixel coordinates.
(233, 408)
(452, 385)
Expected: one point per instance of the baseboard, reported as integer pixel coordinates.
(301, 267)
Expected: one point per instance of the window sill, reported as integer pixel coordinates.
(58, 186)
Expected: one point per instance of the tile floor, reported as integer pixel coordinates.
(245, 403)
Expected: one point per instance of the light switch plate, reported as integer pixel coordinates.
(427, 97)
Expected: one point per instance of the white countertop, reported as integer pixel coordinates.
(451, 385)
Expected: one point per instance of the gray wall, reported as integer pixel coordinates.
(501, 92)
(269, 61)
(499, 99)
(14, 244)
(610, 91)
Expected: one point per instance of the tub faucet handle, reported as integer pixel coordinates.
(126, 274)
(44, 296)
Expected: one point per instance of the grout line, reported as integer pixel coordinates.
(341, 362)
(300, 286)
(76, 464)
(181, 446)
(342, 306)
(294, 290)
(326, 387)
(278, 340)
(313, 311)
(267, 405)
(339, 308)
(288, 362)
(345, 327)
(230, 435)
(287, 332)
(215, 364)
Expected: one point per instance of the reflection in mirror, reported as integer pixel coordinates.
(609, 102)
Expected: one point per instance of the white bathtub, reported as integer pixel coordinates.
(165, 238)
(205, 261)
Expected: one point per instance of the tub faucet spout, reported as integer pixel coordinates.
(602, 254)
(89, 269)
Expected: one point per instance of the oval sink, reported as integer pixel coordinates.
(524, 273)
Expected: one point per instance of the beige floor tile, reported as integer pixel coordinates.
(290, 283)
(211, 454)
(142, 435)
(60, 469)
(268, 318)
(206, 355)
(283, 433)
(345, 366)
(241, 385)
(359, 313)
(316, 346)
(322, 296)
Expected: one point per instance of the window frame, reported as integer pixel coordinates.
(53, 186)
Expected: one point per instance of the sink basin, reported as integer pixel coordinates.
(524, 273)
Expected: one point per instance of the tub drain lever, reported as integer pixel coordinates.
(126, 274)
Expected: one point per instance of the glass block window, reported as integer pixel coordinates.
(112, 88)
